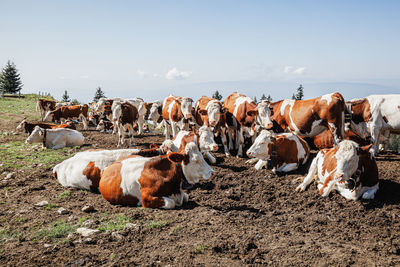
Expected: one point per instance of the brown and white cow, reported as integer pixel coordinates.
(176, 110)
(105, 126)
(376, 115)
(203, 138)
(56, 138)
(69, 112)
(210, 112)
(347, 168)
(142, 109)
(154, 110)
(154, 182)
(29, 126)
(325, 139)
(240, 117)
(287, 151)
(45, 105)
(84, 169)
(305, 117)
(125, 115)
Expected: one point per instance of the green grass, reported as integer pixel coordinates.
(201, 248)
(64, 194)
(56, 230)
(114, 224)
(21, 107)
(50, 206)
(21, 219)
(175, 231)
(156, 224)
(82, 220)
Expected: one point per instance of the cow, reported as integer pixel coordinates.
(155, 112)
(210, 112)
(305, 117)
(83, 170)
(325, 139)
(105, 126)
(154, 182)
(176, 110)
(203, 138)
(93, 119)
(348, 168)
(240, 117)
(142, 109)
(45, 105)
(69, 112)
(99, 106)
(29, 126)
(125, 115)
(286, 151)
(56, 138)
(375, 114)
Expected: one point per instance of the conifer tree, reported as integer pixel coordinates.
(217, 95)
(10, 81)
(269, 98)
(263, 97)
(300, 93)
(99, 94)
(65, 97)
(255, 99)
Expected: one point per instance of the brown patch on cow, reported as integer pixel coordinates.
(129, 113)
(93, 173)
(242, 117)
(286, 151)
(55, 175)
(69, 112)
(149, 152)
(176, 114)
(370, 175)
(29, 126)
(361, 110)
(325, 139)
(110, 186)
(385, 119)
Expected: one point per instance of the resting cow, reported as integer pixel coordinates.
(176, 110)
(347, 168)
(56, 138)
(377, 114)
(240, 117)
(69, 112)
(153, 182)
(105, 126)
(29, 126)
(286, 151)
(305, 117)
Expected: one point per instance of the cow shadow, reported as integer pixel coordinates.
(387, 194)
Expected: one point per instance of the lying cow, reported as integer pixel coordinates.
(105, 126)
(176, 110)
(203, 138)
(84, 169)
(69, 112)
(376, 114)
(29, 126)
(305, 117)
(56, 138)
(347, 168)
(153, 182)
(287, 151)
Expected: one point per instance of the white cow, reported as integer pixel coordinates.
(56, 138)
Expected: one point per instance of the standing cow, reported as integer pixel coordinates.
(176, 110)
(45, 105)
(125, 115)
(69, 112)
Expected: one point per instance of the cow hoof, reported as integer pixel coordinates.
(228, 155)
(300, 188)
(185, 197)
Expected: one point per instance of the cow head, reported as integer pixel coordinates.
(22, 124)
(264, 114)
(206, 142)
(260, 149)
(49, 116)
(155, 111)
(213, 112)
(186, 107)
(347, 159)
(101, 126)
(36, 135)
(194, 167)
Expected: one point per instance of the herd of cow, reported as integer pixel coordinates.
(281, 134)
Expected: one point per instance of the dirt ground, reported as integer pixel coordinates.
(239, 217)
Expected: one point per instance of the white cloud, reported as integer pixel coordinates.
(175, 74)
(287, 69)
(299, 70)
(141, 73)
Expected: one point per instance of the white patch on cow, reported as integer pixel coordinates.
(19, 127)
(347, 159)
(286, 102)
(206, 142)
(239, 101)
(197, 168)
(328, 98)
(316, 128)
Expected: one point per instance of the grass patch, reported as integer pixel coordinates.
(115, 224)
(175, 231)
(82, 219)
(21, 219)
(64, 194)
(57, 229)
(50, 206)
(201, 248)
(25, 107)
(5, 234)
(112, 256)
(156, 224)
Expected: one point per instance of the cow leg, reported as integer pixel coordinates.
(174, 129)
(150, 201)
(261, 163)
(120, 139)
(252, 161)
(140, 124)
(370, 192)
(223, 139)
(328, 186)
(241, 142)
(310, 176)
(287, 167)
(210, 157)
(84, 122)
(230, 133)
(167, 131)
(375, 131)
(131, 131)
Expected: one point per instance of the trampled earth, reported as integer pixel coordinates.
(241, 216)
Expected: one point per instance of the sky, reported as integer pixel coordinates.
(190, 48)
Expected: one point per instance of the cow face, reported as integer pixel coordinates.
(49, 116)
(264, 114)
(214, 113)
(21, 126)
(260, 147)
(35, 136)
(100, 127)
(206, 142)
(194, 167)
(346, 160)
(155, 113)
(186, 107)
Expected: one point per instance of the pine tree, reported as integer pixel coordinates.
(65, 97)
(294, 97)
(217, 95)
(99, 94)
(269, 98)
(255, 99)
(300, 94)
(263, 97)
(10, 81)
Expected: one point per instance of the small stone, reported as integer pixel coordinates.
(62, 211)
(88, 223)
(86, 231)
(131, 225)
(47, 245)
(5, 133)
(88, 208)
(71, 218)
(42, 203)
(10, 175)
(70, 236)
(78, 241)
(116, 235)
(89, 241)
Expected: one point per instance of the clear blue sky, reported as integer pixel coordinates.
(153, 48)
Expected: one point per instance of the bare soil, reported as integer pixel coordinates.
(240, 217)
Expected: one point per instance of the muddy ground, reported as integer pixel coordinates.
(240, 217)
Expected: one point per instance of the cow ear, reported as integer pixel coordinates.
(153, 146)
(175, 157)
(364, 149)
(252, 112)
(203, 112)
